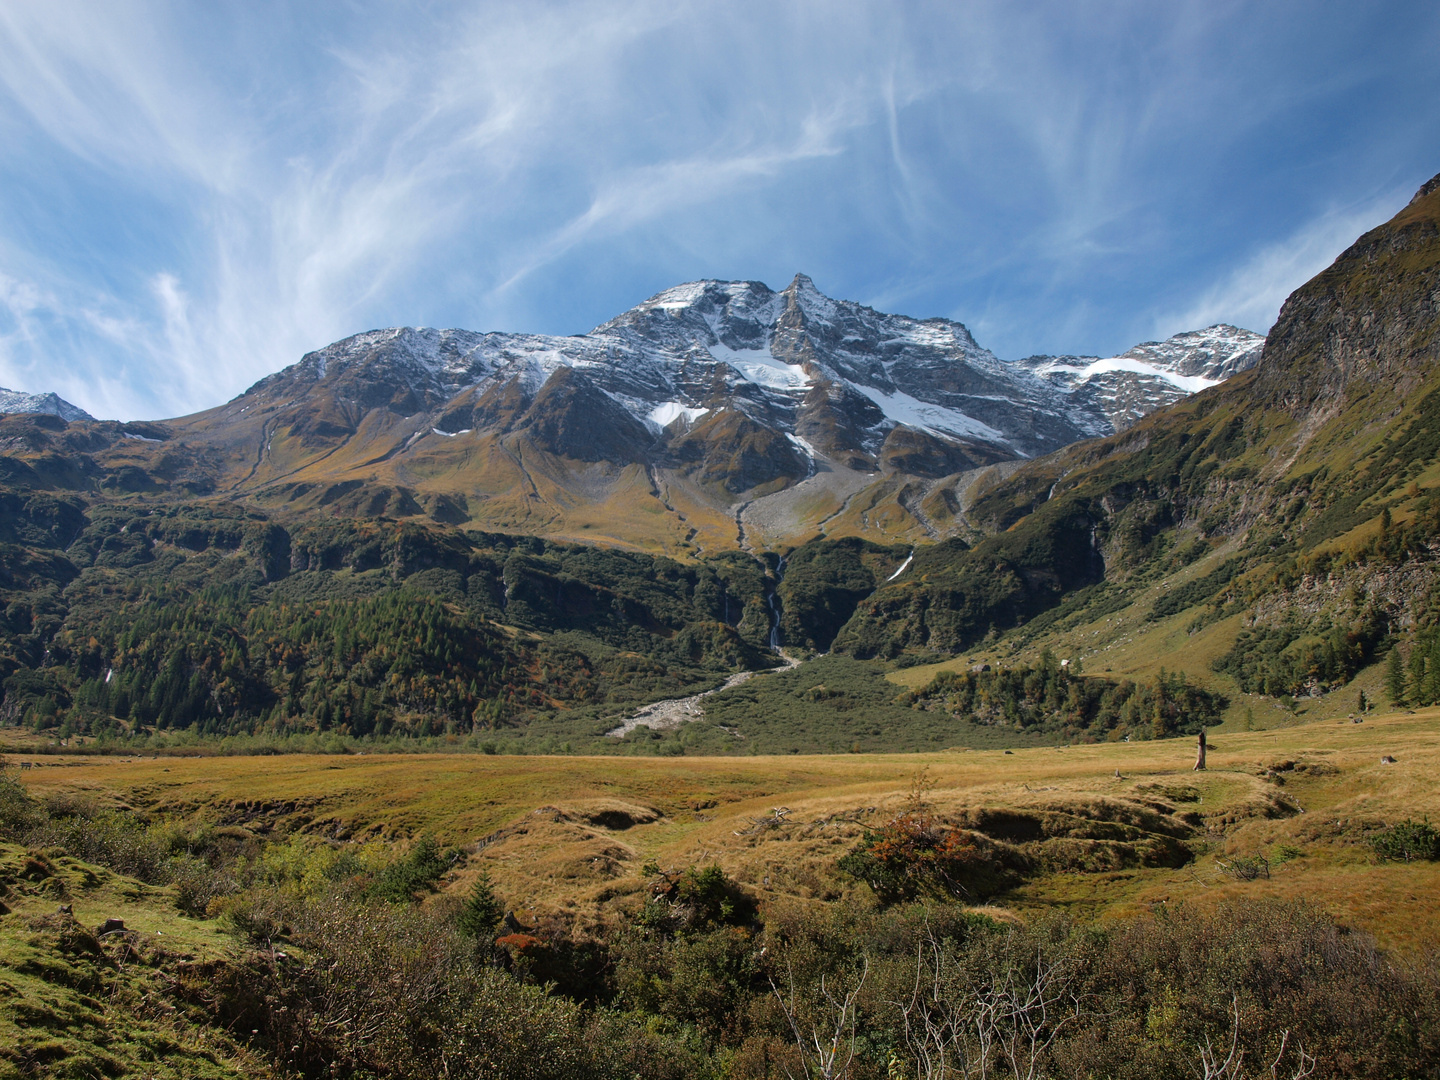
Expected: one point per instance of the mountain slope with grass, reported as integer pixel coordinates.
(1296, 507)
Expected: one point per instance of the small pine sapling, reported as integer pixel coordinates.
(482, 912)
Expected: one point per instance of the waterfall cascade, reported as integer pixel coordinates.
(775, 607)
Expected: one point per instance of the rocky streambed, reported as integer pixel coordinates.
(672, 712)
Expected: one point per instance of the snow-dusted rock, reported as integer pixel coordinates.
(17, 401)
(741, 386)
(1153, 374)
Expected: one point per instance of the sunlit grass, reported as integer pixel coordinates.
(561, 845)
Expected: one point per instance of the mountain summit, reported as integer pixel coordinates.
(17, 401)
(828, 377)
(713, 413)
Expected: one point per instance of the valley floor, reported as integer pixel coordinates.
(569, 835)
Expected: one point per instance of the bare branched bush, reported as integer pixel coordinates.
(824, 1027)
(1032, 1005)
(960, 1021)
(1245, 867)
(948, 1031)
(1232, 1065)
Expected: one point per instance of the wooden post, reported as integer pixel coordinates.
(1200, 753)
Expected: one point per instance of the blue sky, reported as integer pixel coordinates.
(192, 195)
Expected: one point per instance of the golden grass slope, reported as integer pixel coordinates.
(570, 835)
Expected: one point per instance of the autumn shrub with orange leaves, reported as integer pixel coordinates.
(915, 854)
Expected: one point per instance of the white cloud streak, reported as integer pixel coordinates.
(644, 194)
(1250, 295)
(304, 216)
(308, 221)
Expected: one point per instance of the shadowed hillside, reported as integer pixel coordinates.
(1300, 500)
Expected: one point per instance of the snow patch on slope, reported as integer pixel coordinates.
(679, 297)
(803, 444)
(667, 412)
(1078, 375)
(758, 366)
(936, 419)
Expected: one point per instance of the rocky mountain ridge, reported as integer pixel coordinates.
(1154, 373)
(17, 401)
(834, 377)
(712, 415)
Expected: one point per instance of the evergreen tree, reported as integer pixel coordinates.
(1157, 720)
(1430, 684)
(1395, 677)
(1415, 690)
(482, 911)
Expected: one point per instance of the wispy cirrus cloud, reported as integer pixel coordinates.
(649, 192)
(298, 211)
(193, 197)
(1250, 295)
(311, 209)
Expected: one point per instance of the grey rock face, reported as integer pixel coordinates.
(17, 401)
(823, 376)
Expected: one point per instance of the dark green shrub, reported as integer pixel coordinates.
(713, 898)
(19, 813)
(416, 873)
(694, 899)
(915, 856)
(391, 990)
(704, 978)
(197, 884)
(1408, 841)
(112, 838)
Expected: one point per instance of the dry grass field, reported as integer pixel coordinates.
(571, 834)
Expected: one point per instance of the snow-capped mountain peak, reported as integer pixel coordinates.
(1152, 374)
(790, 374)
(17, 401)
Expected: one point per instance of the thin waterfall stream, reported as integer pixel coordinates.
(774, 599)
